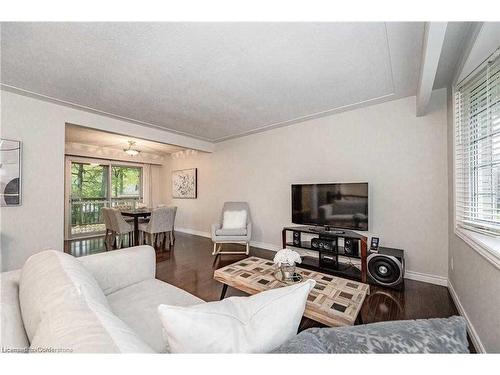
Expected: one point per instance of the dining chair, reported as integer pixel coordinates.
(117, 226)
(107, 224)
(160, 224)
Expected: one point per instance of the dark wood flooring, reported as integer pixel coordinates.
(189, 265)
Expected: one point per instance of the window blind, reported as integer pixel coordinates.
(477, 148)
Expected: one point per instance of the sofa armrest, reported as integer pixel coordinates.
(118, 269)
(249, 231)
(214, 228)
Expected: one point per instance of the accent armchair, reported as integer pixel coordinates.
(221, 235)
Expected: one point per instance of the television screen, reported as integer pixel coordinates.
(337, 205)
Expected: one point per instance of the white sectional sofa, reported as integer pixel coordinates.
(99, 303)
(108, 303)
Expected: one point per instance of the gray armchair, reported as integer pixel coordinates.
(239, 236)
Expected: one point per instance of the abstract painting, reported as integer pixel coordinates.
(184, 184)
(10, 172)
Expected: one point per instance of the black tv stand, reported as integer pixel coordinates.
(342, 269)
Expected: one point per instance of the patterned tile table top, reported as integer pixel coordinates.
(334, 301)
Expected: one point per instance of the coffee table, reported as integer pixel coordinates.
(334, 301)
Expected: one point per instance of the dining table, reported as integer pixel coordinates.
(136, 213)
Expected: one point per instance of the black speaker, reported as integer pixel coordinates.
(387, 267)
(324, 245)
(351, 247)
(296, 238)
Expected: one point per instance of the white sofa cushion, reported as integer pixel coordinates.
(47, 278)
(255, 324)
(137, 305)
(83, 326)
(136, 264)
(234, 219)
(12, 333)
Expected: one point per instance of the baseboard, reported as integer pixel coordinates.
(260, 245)
(426, 278)
(193, 231)
(412, 275)
(264, 245)
(470, 328)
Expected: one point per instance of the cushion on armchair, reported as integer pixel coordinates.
(405, 336)
(234, 219)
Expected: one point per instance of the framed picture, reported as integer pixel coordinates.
(184, 183)
(10, 172)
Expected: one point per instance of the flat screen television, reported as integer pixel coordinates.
(337, 205)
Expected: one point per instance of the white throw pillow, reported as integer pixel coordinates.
(46, 279)
(255, 324)
(234, 219)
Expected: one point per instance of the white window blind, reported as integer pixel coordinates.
(477, 148)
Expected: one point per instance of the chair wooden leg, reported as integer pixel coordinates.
(248, 248)
(171, 237)
(215, 249)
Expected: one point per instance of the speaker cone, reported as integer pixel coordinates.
(385, 269)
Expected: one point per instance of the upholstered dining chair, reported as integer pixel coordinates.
(116, 226)
(222, 235)
(107, 224)
(161, 222)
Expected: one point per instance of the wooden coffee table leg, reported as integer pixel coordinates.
(224, 290)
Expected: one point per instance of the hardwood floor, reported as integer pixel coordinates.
(190, 266)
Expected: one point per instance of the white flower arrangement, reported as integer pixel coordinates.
(288, 257)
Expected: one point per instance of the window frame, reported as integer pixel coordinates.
(487, 244)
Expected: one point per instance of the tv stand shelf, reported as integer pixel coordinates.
(341, 268)
(306, 245)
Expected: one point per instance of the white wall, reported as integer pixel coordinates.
(401, 156)
(474, 281)
(38, 223)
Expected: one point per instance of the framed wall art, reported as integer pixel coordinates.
(10, 172)
(184, 184)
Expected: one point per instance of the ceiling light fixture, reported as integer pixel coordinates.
(131, 151)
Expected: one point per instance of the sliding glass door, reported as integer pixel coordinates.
(126, 185)
(95, 184)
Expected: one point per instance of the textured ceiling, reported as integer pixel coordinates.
(213, 80)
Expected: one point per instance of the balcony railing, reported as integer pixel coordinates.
(86, 213)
